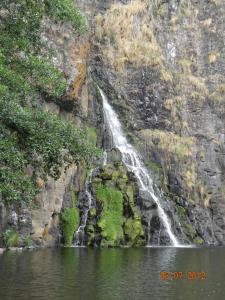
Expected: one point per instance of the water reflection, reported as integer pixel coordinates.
(82, 273)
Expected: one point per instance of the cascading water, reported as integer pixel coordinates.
(80, 233)
(134, 163)
(104, 160)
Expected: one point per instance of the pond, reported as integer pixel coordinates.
(105, 274)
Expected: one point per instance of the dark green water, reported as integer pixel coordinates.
(73, 273)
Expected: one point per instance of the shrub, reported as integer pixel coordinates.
(29, 136)
(11, 238)
(39, 139)
(65, 11)
(28, 241)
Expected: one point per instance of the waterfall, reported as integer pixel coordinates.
(80, 233)
(134, 163)
(104, 160)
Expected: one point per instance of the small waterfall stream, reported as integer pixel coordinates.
(134, 163)
(79, 235)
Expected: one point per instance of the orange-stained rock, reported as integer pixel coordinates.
(79, 58)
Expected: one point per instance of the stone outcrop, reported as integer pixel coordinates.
(115, 219)
(161, 65)
(41, 222)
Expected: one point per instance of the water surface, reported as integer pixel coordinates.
(82, 273)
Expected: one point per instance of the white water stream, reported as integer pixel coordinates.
(80, 233)
(134, 163)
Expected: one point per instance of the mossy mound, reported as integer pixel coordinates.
(116, 220)
(134, 232)
(111, 220)
(69, 223)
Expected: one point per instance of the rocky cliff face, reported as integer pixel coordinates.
(162, 64)
(41, 223)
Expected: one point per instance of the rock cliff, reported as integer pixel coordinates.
(161, 64)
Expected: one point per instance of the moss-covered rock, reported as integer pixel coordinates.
(111, 218)
(90, 230)
(130, 194)
(181, 211)
(189, 230)
(134, 232)
(92, 212)
(121, 183)
(91, 135)
(107, 172)
(69, 223)
(198, 241)
(115, 221)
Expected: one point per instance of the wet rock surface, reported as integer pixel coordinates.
(173, 110)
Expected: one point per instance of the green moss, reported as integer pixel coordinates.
(92, 212)
(198, 241)
(181, 211)
(189, 230)
(115, 175)
(74, 195)
(130, 193)
(111, 219)
(11, 238)
(28, 242)
(107, 172)
(134, 232)
(121, 183)
(154, 166)
(69, 223)
(90, 233)
(91, 135)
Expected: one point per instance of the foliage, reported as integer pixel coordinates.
(28, 241)
(91, 135)
(69, 223)
(30, 137)
(36, 138)
(15, 184)
(198, 241)
(11, 238)
(64, 10)
(111, 220)
(24, 60)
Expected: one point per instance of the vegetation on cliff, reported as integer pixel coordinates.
(69, 223)
(116, 219)
(33, 143)
(111, 220)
